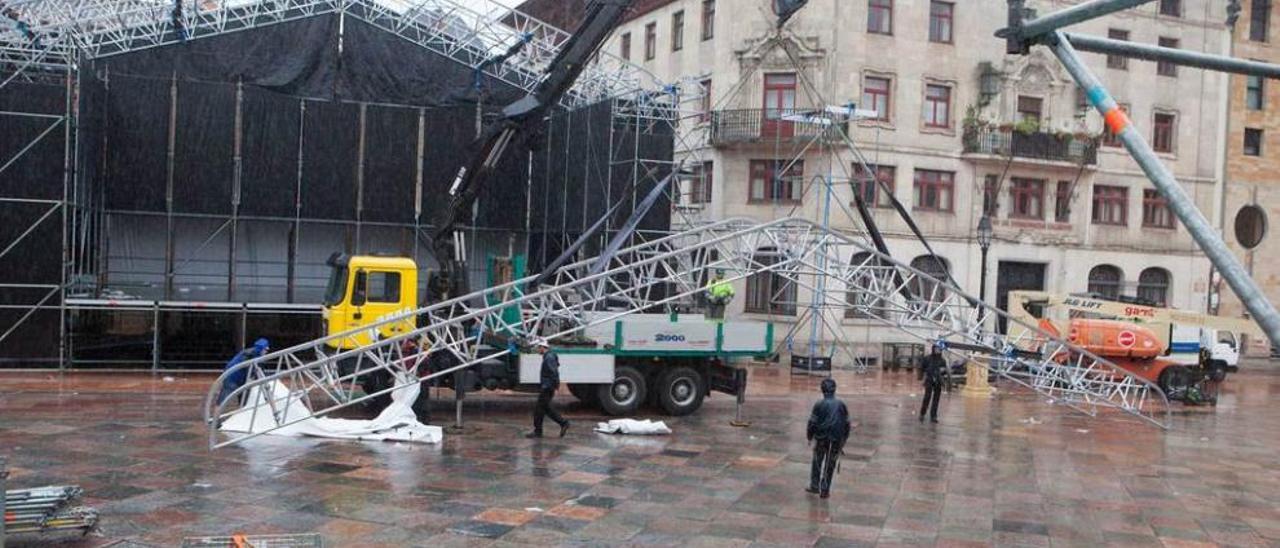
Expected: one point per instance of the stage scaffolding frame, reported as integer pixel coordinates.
(50, 41)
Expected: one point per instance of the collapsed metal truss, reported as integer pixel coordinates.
(671, 272)
(58, 32)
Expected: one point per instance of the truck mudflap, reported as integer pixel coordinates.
(728, 380)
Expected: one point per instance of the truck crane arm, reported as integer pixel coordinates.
(517, 118)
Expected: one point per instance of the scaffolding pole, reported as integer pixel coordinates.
(1210, 242)
(1175, 56)
(1072, 15)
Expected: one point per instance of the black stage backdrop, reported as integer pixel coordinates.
(309, 149)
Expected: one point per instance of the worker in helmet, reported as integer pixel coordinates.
(719, 293)
(549, 381)
(933, 368)
(828, 430)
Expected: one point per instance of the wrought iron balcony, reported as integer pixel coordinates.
(758, 125)
(1036, 145)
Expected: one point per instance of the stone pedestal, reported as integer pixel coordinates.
(975, 379)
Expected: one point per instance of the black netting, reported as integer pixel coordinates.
(137, 143)
(330, 140)
(31, 235)
(269, 163)
(204, 148)
(301, 58)
(32, 143)
(391, 164)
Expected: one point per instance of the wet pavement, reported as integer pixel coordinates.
(1009, 471)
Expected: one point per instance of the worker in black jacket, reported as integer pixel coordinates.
(828, 429)
(548, 382)
(933, 367)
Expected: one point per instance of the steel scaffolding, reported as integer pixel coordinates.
(48, 41)
(61, 32)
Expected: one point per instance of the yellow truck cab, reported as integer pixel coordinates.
(364, 289)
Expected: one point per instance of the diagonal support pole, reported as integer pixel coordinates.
(1210, 242)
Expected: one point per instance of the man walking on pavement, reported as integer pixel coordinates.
(932, 367)
(828, 430)
(549, 381)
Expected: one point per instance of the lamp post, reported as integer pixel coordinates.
(975, 382)
(984, 242)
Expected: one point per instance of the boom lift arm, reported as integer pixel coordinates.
(517, 118)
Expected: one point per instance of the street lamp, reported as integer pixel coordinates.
(975, 377)
(984, 242)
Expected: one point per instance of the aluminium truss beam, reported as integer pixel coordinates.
(468, 32)
(668, 272)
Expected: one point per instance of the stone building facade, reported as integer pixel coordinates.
(960, 129)
(1252, 197)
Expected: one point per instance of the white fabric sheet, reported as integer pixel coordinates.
(395, 423)
(634, 427)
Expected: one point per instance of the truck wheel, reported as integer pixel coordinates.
(1217, 370)
(586, 393)
(625, 395)
(680, 391)
(1174, 378)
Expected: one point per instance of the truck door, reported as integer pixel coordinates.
(375, 294)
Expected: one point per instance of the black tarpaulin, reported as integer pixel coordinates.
(301, 58)
(450, 133)
(330, 143)
(32, 145)
(269, 163)
(137, 143)
(204, 154)
(391, 162)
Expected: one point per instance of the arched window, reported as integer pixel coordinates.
(935, 266)
(1153, 286)
(861, 294)
(1105, 280)
(770, 292)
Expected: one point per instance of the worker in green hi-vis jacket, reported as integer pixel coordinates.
(719, 293)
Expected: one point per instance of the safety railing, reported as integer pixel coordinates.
(1034, 145)
(739, 126)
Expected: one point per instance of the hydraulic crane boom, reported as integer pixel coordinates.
(601, 18)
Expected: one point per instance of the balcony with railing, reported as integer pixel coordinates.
(1031, 145)
(758, 125)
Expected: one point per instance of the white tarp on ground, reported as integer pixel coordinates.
(632, 426)
(395, 423)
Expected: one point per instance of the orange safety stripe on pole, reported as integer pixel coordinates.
(1116, 120)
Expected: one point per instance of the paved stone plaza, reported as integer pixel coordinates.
(1010, 471)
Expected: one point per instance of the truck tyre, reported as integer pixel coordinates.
(586, 393)
(1174, 378)
(625, 395)
(680, 391)
(1216, 370)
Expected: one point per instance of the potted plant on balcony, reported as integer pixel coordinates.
(973, 124)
